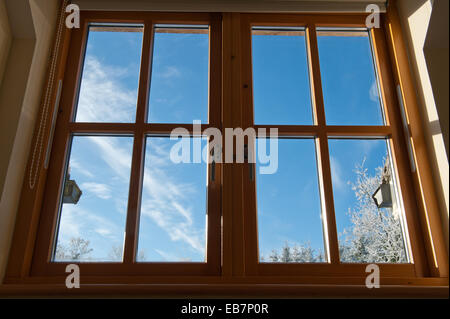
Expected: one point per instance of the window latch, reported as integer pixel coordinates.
(213, 166)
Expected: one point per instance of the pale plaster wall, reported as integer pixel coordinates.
(436, 51)
(415, 17)
(20, 98)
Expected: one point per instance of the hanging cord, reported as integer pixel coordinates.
(39, 144)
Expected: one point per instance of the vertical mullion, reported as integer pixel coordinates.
(132, 225)
(227, 115)
(235, 186)
(251, 250)
(213, 231)
(323, 157)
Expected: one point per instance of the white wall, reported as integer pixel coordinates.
(20, 98)
(415, 16)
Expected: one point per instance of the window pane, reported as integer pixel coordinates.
(92, 226)
(368, 232)
(173, 209)
(350, 86)
(288, 201)
(110, 80)
(179, 82)
(281, 90)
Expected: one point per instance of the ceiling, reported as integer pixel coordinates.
(232, 5)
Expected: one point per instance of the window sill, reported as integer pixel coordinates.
(397, 288)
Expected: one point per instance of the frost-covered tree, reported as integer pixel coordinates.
(375, 235)
(141, 256)
(298, 253)
(116, 254)
(303, 253)
(77, 249)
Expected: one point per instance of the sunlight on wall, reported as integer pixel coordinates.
(415, 16)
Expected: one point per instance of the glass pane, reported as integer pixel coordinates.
(288, 201)
(95, 197)
(173, 209)
(110, 80)
(179, 82)
(370, 229)
(281, 90)
(350, 86)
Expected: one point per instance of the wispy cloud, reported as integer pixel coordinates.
(367, 146)
(336, 174)
(103, 95)
(170, 72)
(167, 256)
(70, 224)
(170, 257)
(105, 98)
(373, 92)
(103, 231)
(77, 222)
(75, 165)
(102, 191)
(165, 201)
(114, 154)
(167, 205)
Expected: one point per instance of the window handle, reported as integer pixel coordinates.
(213, 166)
(213, 170)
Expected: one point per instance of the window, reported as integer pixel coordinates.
(317, 92)
(288, 202)
(110, 77)
(371, 231)
(349, 80)
(92, 220)
(280, 54)
(317, 213)
(120, 200)
(173, 208)
(289, 208)
(179, 81)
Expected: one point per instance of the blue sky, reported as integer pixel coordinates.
(179, 82)
(173, 212)
(289, 207)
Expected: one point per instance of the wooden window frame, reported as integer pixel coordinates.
(322, 132)
(66, 128)
(234, 263)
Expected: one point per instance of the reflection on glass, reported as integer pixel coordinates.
(288, 204)
(173, 208)
(369, 215)
(350, 86)
(110, 79)
(94, 200)
(179, 81)
(281, 90)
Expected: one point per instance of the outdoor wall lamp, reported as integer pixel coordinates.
(382, 196)
(72, 192)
